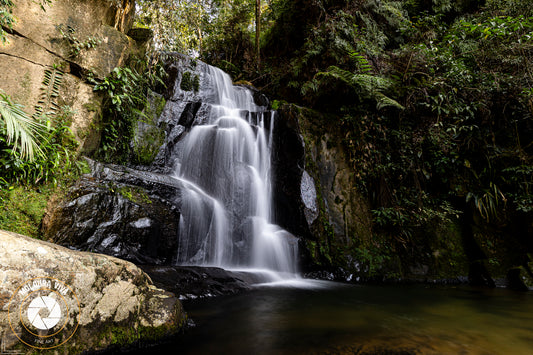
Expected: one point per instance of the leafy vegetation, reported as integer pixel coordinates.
(76, 45)
(28, 181)
(126, 96)
(18, 130)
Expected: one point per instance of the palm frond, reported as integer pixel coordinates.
(21, 130)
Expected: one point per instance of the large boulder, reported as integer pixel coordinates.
(103, 301)
(119, 211)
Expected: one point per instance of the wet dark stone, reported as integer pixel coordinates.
(133, 215)
(190, 282)
(288, 165)
(513, 280)
(189, 113)
(260, 99)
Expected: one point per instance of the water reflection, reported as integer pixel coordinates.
(361, 319)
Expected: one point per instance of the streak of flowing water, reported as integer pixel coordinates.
(225, 164)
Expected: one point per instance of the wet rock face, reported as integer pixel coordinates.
(191, 282)
(288, 166)
(108, 297)
(121, 212)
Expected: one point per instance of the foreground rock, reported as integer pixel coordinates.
(104, 301)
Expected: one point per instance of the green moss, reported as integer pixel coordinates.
(22, 209)
(123, 336)
(145, 148)
(84, 167)
(160, 105)
(156, 333)
(196, 83)
(93, 106)
(134, 194)
(190, 82)
(448, 253)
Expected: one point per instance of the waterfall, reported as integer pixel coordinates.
(224, 163)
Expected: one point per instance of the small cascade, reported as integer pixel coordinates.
(224, 163)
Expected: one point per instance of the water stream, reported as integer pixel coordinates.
(225, 166)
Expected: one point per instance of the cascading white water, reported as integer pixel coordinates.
(225, 164)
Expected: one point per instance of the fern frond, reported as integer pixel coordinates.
(370, 83)
(385, 101)
(50, 87)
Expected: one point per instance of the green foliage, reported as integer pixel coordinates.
(126, 95)
(125, 99)
(76, 46)
(48, 100)
(178, 25)
(18, 130)
(26, 185)
(57, 161)
(373, 260)
(190, 82)
(135, 194)
(367, 86)
(6, 18)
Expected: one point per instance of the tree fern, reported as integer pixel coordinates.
(20, 130)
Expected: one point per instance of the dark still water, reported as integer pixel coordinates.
(332, 318)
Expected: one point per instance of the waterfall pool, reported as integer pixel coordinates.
(331, 318)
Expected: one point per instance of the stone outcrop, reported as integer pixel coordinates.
(117, 304)
(314, 182)
(318, 199)
(39, 45)
(118, 211)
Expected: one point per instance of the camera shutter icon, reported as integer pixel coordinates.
(44, 303)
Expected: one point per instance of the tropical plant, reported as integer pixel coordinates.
(19, 129)
(367, 86)
(126, 91)
(6, 18)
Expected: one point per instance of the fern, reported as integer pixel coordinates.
(47, 104)
(369, 86)
(361, 61)
(385, 101)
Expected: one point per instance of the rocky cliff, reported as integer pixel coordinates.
(50, 53)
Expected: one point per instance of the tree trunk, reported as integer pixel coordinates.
(258, 32)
